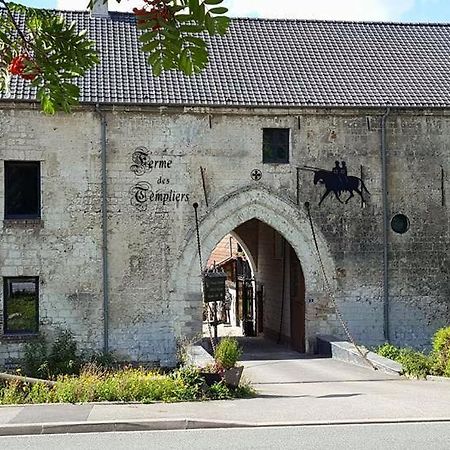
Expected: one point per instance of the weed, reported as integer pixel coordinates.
(228, 352)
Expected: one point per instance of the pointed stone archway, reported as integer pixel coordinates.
(290, 220)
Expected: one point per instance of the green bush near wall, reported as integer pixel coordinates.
(418, 364)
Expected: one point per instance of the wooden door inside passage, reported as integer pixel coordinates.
(297, 303)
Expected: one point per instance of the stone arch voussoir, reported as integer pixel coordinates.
(231, 211)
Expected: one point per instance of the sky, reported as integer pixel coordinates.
(369, 10)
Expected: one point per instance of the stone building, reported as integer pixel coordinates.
(99, 232)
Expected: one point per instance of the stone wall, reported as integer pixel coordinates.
(154, 271)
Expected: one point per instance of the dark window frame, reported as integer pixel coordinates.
(6, 294)
(273, 159)
(14, 216)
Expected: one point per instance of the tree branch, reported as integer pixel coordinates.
(25, 40)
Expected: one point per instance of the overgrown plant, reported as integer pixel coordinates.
(441, 351)
(95, 384)
(227, 353)
(419, 364)
(42, 360)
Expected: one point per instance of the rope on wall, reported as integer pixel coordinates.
(330, 293)
(283, 292)
(199, 248)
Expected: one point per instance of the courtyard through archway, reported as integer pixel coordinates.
(265, 287)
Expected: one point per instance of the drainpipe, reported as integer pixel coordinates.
(385, 225)
(104, 193)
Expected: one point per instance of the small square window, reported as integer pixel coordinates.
(276, 145)
(22, 190)
(21, 305)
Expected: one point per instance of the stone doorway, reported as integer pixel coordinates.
(265, 285)
(288, 224)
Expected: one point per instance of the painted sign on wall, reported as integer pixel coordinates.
(143, 192)
(338, 181)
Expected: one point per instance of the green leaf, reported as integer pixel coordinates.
(218, 10)
(149, 47)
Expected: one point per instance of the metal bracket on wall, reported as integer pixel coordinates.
(202, 172)
(361, 175)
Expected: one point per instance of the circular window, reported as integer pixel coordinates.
(400, 223)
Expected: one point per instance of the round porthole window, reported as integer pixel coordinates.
(400, 223)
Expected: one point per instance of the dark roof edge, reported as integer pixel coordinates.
(82, 105)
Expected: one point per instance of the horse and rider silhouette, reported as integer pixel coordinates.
(337, 181)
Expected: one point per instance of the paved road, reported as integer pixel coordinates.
(434, 436)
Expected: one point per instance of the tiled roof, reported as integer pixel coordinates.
(262, 62)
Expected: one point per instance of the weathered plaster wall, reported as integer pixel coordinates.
(154, 270)
(64, 249)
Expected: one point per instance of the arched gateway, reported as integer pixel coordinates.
(289, 219)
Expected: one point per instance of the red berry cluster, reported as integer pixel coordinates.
(159, 11)
(21, 65)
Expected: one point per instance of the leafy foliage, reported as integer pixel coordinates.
(419, 364)
(61, 358)
(415, 364)
(173, 32)
(128, 384)
(228, 352)
(441, 350)
(45, 51)
(389, 351)
(50, 54)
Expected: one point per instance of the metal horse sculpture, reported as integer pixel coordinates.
(337, 184)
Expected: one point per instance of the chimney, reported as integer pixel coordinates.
(100, 9)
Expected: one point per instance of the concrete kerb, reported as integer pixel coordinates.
(346, 352)
(182, 424)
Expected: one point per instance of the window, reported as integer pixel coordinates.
(22, 190)
(400, 223)
(276, 145)
(20, 305)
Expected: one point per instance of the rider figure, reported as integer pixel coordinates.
(343, 175)
(337, 170)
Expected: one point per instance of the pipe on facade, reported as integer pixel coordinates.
(104, 193)
(384, 188)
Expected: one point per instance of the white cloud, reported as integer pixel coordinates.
(322, 9)
(294, 9)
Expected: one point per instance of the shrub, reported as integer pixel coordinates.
(389, 351)
(12, 393)
(192, 383)
(35, 358)
(228, 352)
(415, 363)
(63, 358)
(39, 393)
(105, 360)
(441, 352)
(220, 391)
(128, 385)
(60, 359)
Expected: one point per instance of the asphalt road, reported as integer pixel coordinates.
(409, 436)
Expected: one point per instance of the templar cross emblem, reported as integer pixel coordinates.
(256, 174)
